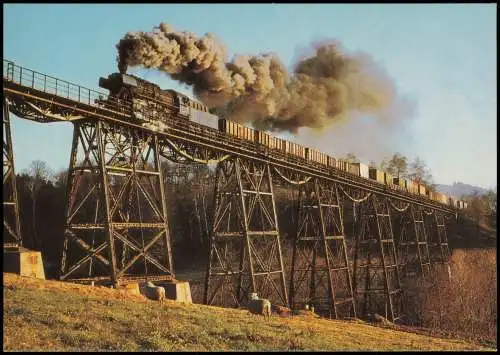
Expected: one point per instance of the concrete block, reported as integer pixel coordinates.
(176, 290)
(23, 262)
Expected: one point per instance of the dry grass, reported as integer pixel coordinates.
(50, 315)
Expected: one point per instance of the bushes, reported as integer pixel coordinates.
(464, 307)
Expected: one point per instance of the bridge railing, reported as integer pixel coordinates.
(62, 88)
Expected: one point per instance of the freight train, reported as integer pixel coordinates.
(150, 106)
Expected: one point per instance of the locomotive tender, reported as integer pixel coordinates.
(150, 106)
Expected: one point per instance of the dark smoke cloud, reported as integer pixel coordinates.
(322, 88)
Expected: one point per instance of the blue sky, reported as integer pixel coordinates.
(442, 57)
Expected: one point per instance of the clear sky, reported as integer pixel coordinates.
(442, 57)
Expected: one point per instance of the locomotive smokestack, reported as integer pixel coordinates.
(322, 89)
(122, 68)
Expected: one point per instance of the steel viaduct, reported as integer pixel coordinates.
(116, 228)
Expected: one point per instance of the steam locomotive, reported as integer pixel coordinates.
(147, 101)
(150, 106)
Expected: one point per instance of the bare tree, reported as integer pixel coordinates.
(383, 164)
(491, 198)
(39, 173)
(420, 173)
(397, 165)
(351, 158)
(61, 178)
(201, 187)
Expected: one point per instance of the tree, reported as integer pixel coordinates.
(491, 199)
(397, 165)
(61, 179)
(418, 172)
(383, 164)
(351, 158)
(40, 174)
(477, 209)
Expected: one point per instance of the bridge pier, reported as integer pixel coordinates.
(116, 227)
(11, 226)
(245, 250)
(320, 272)
(438, 244)
(376, 268)
(411, 246)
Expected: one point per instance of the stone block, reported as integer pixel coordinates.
(23, 262)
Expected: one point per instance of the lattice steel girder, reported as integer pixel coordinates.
(320, 270)
(376, 267)
(11, 225)
(116, 216)
(245, 250)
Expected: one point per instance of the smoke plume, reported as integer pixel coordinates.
(322, 89)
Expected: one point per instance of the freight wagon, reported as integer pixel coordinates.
(452, 201)
(399, 183)
(412, 186)
(376, 175)
(316, 156)
(205, 119)
(353, 168)
(295, 149)
(388, 179)
(332, 162)
(442, 198)
(236, 130)
(363, 170)
(262, 138)
(342, 164)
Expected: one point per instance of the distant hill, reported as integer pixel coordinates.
(459, 189)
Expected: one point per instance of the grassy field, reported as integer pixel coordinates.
(50, 315)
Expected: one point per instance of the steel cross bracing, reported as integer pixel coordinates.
(438, 243)
(411, 244)
(320, 273)
(43, 98)
(245, 250)
(116, 218)
(11, 225)
(376, 278)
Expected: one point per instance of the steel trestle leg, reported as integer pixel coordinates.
(116, 219)
(11, 225)
(245, 251)
(377, 277)
(320, 270)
